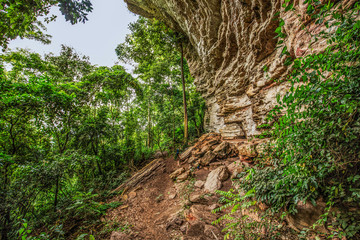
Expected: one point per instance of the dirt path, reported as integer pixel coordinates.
(161, 209)
(153, 204)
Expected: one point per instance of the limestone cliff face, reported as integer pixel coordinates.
(229, 43)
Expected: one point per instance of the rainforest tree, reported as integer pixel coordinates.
(157, 55)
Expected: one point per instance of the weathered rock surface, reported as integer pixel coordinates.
(208, 158)
(221, 150)
(186, 154)
(306, 216)
(199, 184)
(215, 178)
(228, 44)
(176, 173)
(183, 176)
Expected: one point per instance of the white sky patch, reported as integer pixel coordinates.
(97, 38)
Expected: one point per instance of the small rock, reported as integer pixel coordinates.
(213, 206)
(132, 195)
(187, 203)
(307, 214)
(197, 198)
(192, 159)
(119, 236)
(208, 158)
(212, 142)
(183, 176)
(177, 173)
(214, 179)
(234, 165)
(235, 174)
(172, 196)
(199, 184)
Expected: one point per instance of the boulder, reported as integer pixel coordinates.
(221, 150)
(235, 169)
(307, 214)
(199, 184)
(208, 158)
(197, 198)
(215, 177)
(176, 173)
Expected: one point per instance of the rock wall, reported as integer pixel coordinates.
(229, 43)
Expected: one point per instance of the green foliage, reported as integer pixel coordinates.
(19, 18)
(315, 147)
(59, 135)
(154, 51)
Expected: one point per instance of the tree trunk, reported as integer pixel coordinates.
(6, 223)
(56, 193)
(184, 96)
(149, 127)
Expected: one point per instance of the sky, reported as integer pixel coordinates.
(97, 38)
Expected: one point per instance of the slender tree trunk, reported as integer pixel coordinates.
(184, 96)
(173, 118)
(56, 193)
(95, 151)
(149, 127)
(6, 223)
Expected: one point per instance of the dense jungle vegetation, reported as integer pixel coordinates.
(70, 131)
